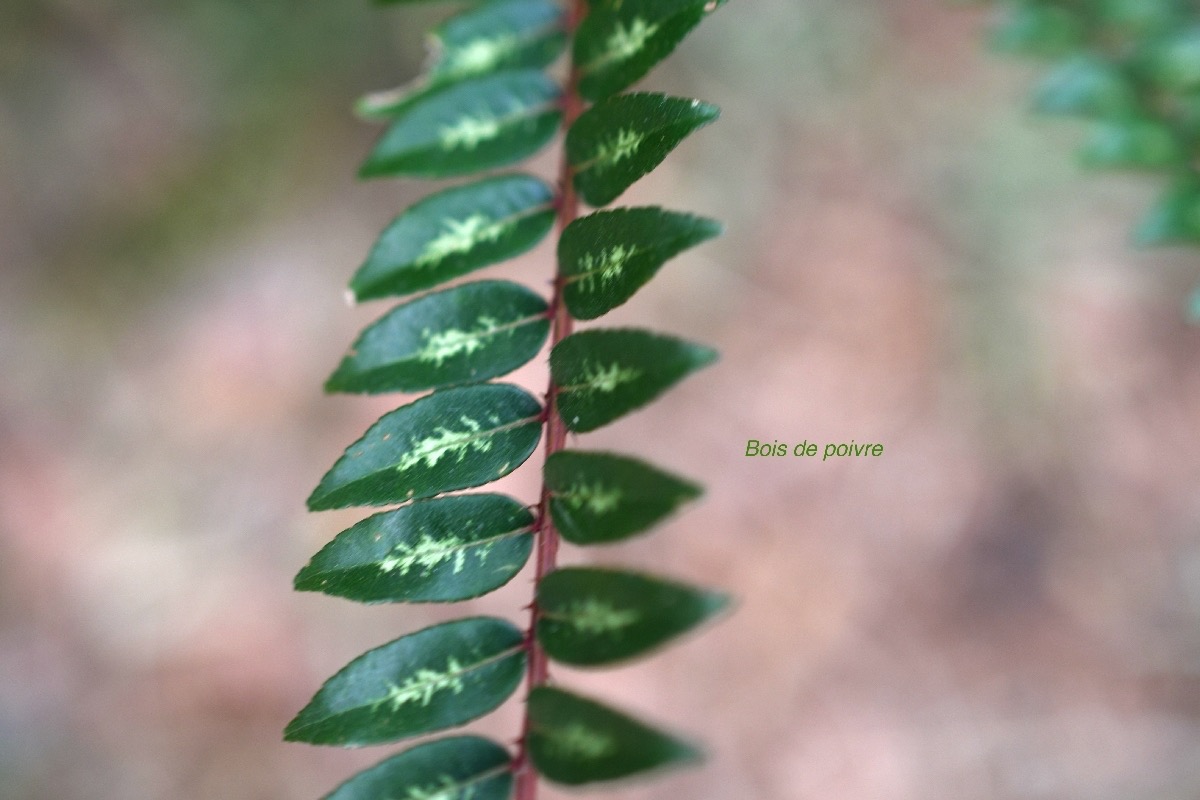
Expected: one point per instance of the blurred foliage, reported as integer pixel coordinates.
(135, 128)
(1131, 68)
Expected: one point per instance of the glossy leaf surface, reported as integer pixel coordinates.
(452, 439)
(454, 232)
(440, 550)
(619, 42)
(589, 616)
(433, 679)
(601, 497)
(487, 38)
(471, 126)
(574, 740)
(604, 374)
(607, 256)
(461, 335)
(455, 768)
(622, 138)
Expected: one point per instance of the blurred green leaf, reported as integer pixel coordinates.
(462, 335)
(490, 37)
(573, 740)
(454, 232)
(622, 138)
(619, 42)
(427, 681)
(590, 617)
(607, 256)
(452, 439)
(601, 497)
(1086, 85)
(441, 550)
(1174, 62)
(1133, 143)
(1035, 29)
(602, 375)
(454, 768)
(1175, 219)
(468, 127)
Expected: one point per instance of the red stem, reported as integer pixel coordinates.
(556, 431)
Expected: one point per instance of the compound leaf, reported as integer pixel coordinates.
(490, 37)
(462, 335)
(454, 232)
(574, 740)
(600, 497)
(452, 439)
(622, 138)
(607, 256)
(589, 616)
(433, 679)
(453, 768)
(471, 126)
(604, 374)
(440, 550)
(619, 42)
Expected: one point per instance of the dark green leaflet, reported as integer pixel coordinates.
(455, 768)
(454, 232)
(622, 138)
(607, 256)
(602, 497)
(574, 740)
(427, 681)
(619, 42)
(440, 550)
(589, 616)
(462, 335)
(468, 127)
(452, 439)
(602, 375)
(487, 38)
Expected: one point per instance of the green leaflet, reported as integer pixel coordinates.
(601, 497)
(454, 232)
(590, 617)
(1035, 30)
(440, 550)
(427, 681)
(462, 335)
(619, 42)
(454, 768)
(1175, 219)
(622, 138)
(1086, 85)
(607, 256)
(471, 126)
(604, 374)
(574, 740)
(487, 38)
(452, 439)
(1133, 143)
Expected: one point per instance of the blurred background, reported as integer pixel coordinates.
(1005, 605)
